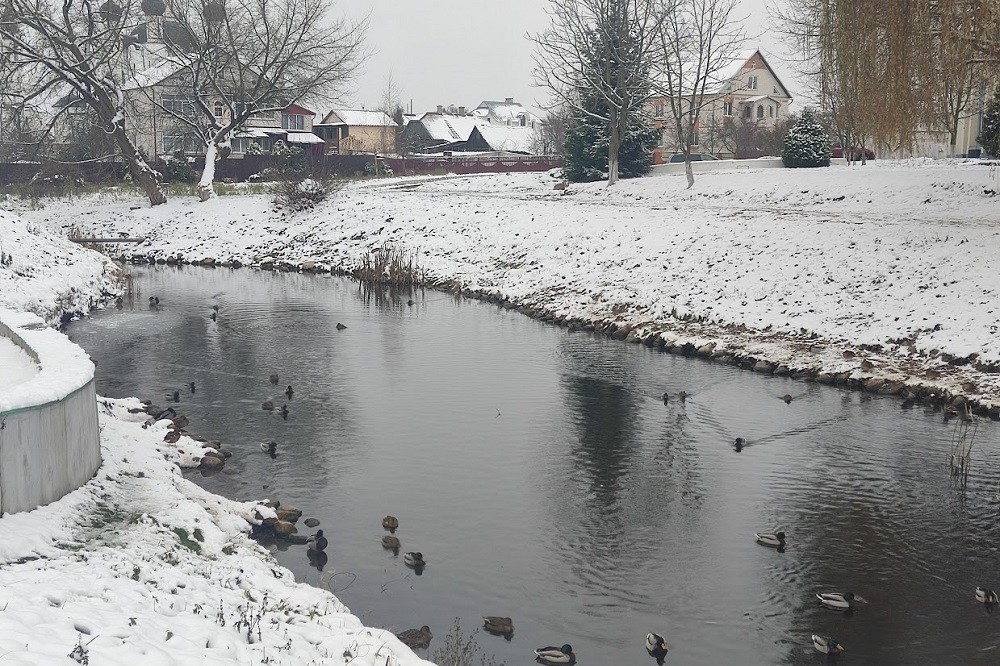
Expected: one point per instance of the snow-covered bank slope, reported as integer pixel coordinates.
(142, 566)
(795, 266)
(43, 273)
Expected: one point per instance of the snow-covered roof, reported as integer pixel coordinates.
(736, 67)
(503, 112)
(758, 98)
(446, 127)
(514, 139)
(358, 118)
(303, 137)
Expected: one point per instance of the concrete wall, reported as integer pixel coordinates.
(49, 433)
(719, 165)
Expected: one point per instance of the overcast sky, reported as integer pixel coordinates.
(464, 51)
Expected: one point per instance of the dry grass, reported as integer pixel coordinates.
(461, 650)
(392, 266)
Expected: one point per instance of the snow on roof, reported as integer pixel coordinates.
(151, 75)
(358, 117)
(502, 112)
(303, 137)
(513, 139)
(446, 127)
(736, 67)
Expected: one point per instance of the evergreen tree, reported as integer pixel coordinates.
(989, 139)
(806, 144)
(587, 140)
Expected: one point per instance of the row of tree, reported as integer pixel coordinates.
(249, 56)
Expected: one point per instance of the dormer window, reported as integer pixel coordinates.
(752, 83)
(218, 109)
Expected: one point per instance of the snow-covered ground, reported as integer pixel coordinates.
(793, 266)
(17, 365)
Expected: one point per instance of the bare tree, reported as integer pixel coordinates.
(699, 40)
(600, 51)
(552, 135)
(390, 105)
(244, 58)
(73, 47)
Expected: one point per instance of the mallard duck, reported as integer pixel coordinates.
(416, 638)
(498, 625)
(317, 542)
(840, 601)
(267, 406)
(269, 447)
(289, 392)
(555, 655)
(827, 645)
(987, 596)
(772, 539)
(390, 523)
(414, 559)
(656, 647)
(340, 326)
(274, 379)
(390, 542)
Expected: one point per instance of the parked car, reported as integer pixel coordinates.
(695, 157)
(856, 153)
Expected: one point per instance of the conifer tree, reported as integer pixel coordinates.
(806, 144)
(989, 139)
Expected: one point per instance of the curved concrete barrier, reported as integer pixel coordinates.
(49, 434)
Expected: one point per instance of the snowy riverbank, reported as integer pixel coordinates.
(881, 272)
(140, 563)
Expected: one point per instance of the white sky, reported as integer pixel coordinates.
(464, 51)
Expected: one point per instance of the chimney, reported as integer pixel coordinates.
(509, 100)
(461, 110)
(440, 109)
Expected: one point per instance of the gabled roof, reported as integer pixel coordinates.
(512, 139)
(446, 127)
(358, 118)
(737, 66)
(296, 110)
(503, 112)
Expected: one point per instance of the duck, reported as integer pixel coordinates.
(176, 395)
(269, 447)
(682, 395)
(656, 647)
(414, 559)
(840, 600)
(215, 308)
(289, 392)
(987, 596)
(666, 398)
(284, 412)
(555, 655)
(416, 638)
(739, 444)
(274, 379)
(496, 624)
(827, 645)
(191, 387)
(390, 523)
(390, 542)
(267, 406)
(340, 327)
(317, 542)
(214, 316)
(787, 398)
(773, 539)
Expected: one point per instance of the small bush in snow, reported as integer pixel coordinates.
(306, 194)
(806, 144)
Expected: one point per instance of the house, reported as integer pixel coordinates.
(352, 131)
(439, 131)
(748, 91)
(490, 127)
(502, 139)
(508, 113)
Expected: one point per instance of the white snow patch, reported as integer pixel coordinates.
(17, 366)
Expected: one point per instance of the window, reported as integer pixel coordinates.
(658, 110)
(752, 83)
(291, 121)
(727, 108)
(178, 105)
(524, 120)
(770, 111)
(760, 110)
(186, 143)
(218, 109)
(694, 139)
(747, 112)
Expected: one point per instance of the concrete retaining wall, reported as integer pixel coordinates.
(730, 165)
(49, 434)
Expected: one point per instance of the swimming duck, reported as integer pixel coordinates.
(787, 398)
(656, 647)
(666, 398)
(269, 447)
(317, 542)
(773, 539)
(191, 386)
(827, 645)
(267, 406)
(682, 395)
(414, 559)
(284, 412)
(274, 379)
(740, 443)
(289, 392)
(214, 316)
(340, 327)
(555, 655)
(390, 523)
(416, 638)
(840, 601)
(390, 542)
(176, 395)
(987, 596)
(495, 624)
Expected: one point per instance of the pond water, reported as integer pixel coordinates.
(543, 478)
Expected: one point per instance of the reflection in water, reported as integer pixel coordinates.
(545, 479)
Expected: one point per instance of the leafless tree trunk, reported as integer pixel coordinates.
(698, 41)
(600, 50)
(255, 57)
(389, 104)
(71, 47)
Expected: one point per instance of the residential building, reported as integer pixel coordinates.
(505, 127)
(353, 131)
(747, 91)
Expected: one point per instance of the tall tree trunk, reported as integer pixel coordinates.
(614, 144)
(205, 190)
(143, 174)
(689, 169)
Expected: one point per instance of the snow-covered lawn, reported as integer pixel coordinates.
(793, 266)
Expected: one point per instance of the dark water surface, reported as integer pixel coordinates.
(587, 510)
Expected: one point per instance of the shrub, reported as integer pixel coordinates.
(304, 194)
(806, 144)
(178, 170)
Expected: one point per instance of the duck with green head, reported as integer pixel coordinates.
(556, 656)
